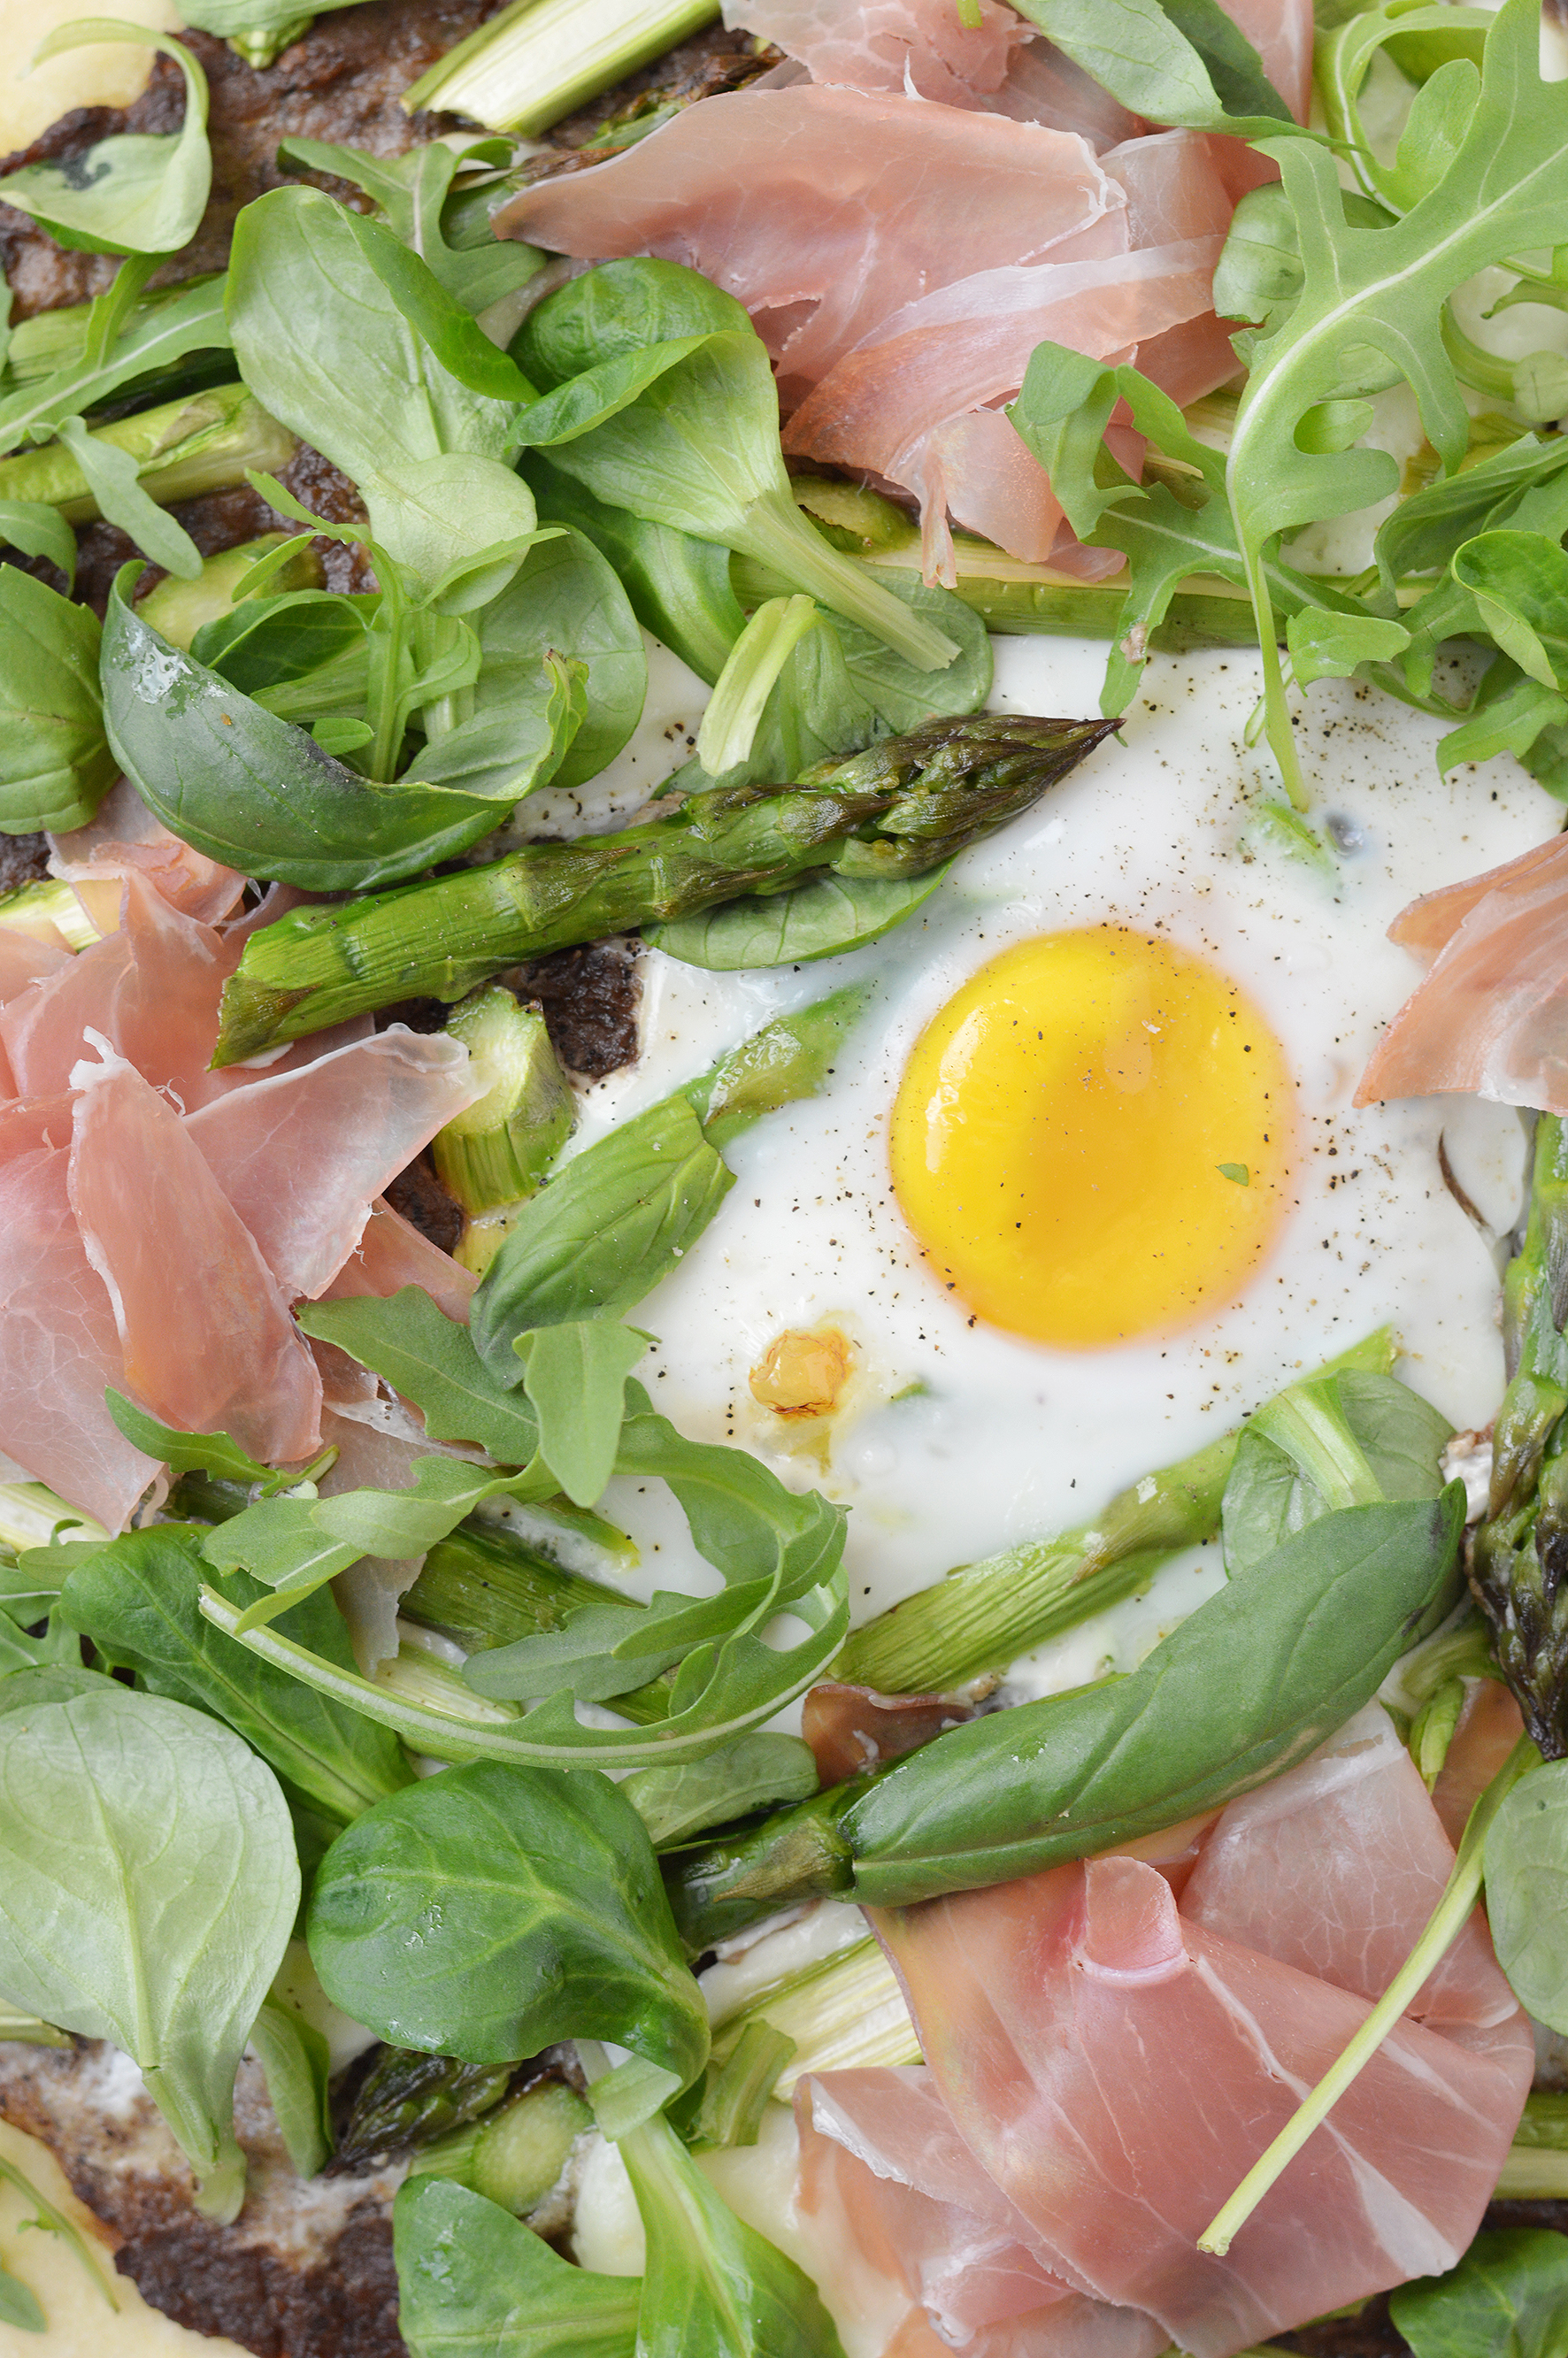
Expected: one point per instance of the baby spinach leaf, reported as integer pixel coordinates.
(575, 1376)
(1506, 2299)
(678, 586)
(296, 2063)
(618, 309)
(38, 530)
(1527, 1891)
(567, 596)
(686, 434)
(596, 1240)
(137, 192)
(1249, 1683)
(816, 920)
(149, 1890)
(250, 789)
(489, 1910)
(294, 1546)
(1349, 1439)
(473, 2282)
(1184, 63)
(431, 1360)
(55, 762)
(760, 1772)
(713, 2285)
(138, 1598)
(325, 347)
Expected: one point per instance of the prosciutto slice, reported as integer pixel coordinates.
(892, 44)
(824, 211)
(206, 1339)
(123, 837)
(391, 1254)
(301, 1157)
(1072, 2018)
(1492, 1015)
(908, 2230)
(60, 1344)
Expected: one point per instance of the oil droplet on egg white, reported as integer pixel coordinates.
(962, 1438)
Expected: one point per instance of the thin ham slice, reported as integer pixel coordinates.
(59, 1346)
(392, 1254)
(1282, 33)
(206, 1339)
(1489, 1726)
(826, 209)
(26, 958)
(1117, 2059)
(1492, 1015)
(892, 44)
(301, 1157)
(886, 404)
(123, 837)
(908, 2230)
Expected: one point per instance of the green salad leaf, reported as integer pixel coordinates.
(473, 2282)
(828, 919)
(138, 191)
(148, 1890)
(55, 762)
(575, 1375)
(1184, 62)
(1506, 2299)
(415, 196)
(490, 1909)
(296, 2064)
(760, 1772)
(432, 1361)
(1527, 1891)
(162, 333)
(1349, 1439)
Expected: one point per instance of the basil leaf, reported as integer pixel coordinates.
(148, 1890)
(1251, 1682)
(473, 2282)
(296, 2064)
(713, 2285)
(1506, 2299)
(55, 763)
(599, 1237)
(489, 1910)
(815, 921)
(138, 1598)
(760, 1772)
(575, 1375)
(137, 192)
(431, 1360)
(1527, 1891)
(1384, 1430)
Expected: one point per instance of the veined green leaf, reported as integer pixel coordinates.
(431, 1360)
(1527, 1891)
(135, 192)
(1184, 63)
(148, 1892)
(296, 2063)
(472, 2282)
(55, 762)
(1349, 1439)
(760, 1772)
(575, 1376)
(1508, 2295)
(489, 1910)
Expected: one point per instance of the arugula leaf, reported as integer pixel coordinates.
(137, 192)
(601, 1651)
(1370, 312)
(711, 2283)
(1506, 2299)
(138, 1598)
(760, 1772)
(489, 1910)
(296, 2063)
(473, 2282)
(148, 1890)
(1184, 63)
(1332, 646)
(599, 1238)
(1451, 43)
(189, 1453)
(431, 1360)
(39, 530)
(575, 1375)
(742, 1519)
(295, 1545)
(816, 920)
(21, 1651)
(55, 762)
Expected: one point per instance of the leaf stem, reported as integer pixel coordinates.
(1444, 1926)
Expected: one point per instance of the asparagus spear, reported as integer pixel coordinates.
(902, 807)
(411, 2099)
(1521, 1549)
(205, 443)
(985, 1615)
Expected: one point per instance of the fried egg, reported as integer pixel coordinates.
(1085, 1185)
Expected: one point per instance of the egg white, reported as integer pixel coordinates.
(957, 1440)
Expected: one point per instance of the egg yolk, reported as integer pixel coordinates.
(1091, 1139)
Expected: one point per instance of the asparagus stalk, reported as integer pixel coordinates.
(410, 2100)
(205, 444)
(540, 58)
(498, 1150)
(983, 1616)
(902, 807)
(1521, 1549)
(45, 904)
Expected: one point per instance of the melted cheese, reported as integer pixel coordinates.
(98, 76)
(79, 2318)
